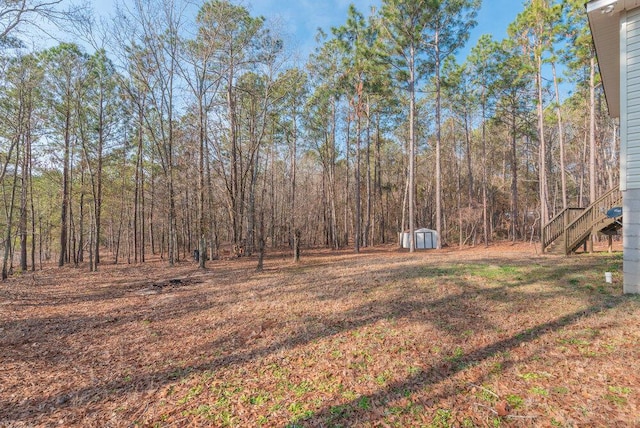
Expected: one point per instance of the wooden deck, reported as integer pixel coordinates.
(571, 228)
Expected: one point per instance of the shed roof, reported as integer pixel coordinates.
(604, 19)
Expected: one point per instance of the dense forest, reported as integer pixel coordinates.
(166, 130)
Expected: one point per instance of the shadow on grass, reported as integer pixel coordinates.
(351, 413)
(407, 302)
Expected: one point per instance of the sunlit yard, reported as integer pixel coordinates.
(460, 338)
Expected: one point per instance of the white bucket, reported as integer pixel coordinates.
(608, 277)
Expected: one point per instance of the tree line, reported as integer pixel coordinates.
(170, 130)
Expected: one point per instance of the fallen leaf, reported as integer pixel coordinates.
(503, 408)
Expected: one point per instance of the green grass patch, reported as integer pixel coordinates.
(617, 395)
(364, 403)
(204, 410)
(457, 355)
(560, 390)
(299, 411)
(259, 399)
(192, 393)
(442, 419)
(530, 376)
(340, 411)
(515, 401)
(623, 390)
(224, 418)
(302, 388)
(488, 395)
(349, 395)
(616, 399)
(539, 391)
(414, 370)
(383, 378)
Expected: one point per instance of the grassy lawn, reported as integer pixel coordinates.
(474, 337)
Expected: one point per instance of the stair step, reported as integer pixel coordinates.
(591, 220)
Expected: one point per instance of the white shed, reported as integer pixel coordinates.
(424, 239)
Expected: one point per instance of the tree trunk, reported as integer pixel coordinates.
(234, 203)
(592, 141)
(332, 179)
(544, 213)
(260, 254)
(377, 177)
(65, 188)
(97, 205)
(151, 211)
(26, 160)
(514, 179)
(563, 176)
(137, 220)
(467, 136)
(485, 217)
(202, 138)
(438, 148)
(368, 236)
(412, 150)
(461, 241)
(358, 195)
(294, 157)
(138, 212)
(296, 245)
(251, 215)
(80, 249)
(33, 214)
(346, 184)
(7, 242)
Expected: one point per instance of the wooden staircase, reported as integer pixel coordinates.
(571, 228)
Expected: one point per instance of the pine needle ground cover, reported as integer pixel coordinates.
(498, 337)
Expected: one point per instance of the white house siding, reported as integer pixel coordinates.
(631, 240)
(630, 146)
(631, 79)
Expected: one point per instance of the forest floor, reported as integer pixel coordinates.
(460, 337)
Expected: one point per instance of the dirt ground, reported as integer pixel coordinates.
(460, 337)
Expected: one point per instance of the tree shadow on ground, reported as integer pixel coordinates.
(403, 304)
(350, 413)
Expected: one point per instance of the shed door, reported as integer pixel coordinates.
(428, 240)
(424, 240)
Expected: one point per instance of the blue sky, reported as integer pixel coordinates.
(302, 18)
(299, 19)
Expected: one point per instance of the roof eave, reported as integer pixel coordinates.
(604, 21)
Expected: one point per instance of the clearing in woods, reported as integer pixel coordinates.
(473, 337)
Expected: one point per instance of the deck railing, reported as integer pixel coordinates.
(593, 218)
(557, 225)
(574, 225)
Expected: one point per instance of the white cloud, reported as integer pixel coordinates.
(302, 18)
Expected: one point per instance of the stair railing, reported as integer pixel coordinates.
(593, 218)
(557, 225)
